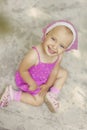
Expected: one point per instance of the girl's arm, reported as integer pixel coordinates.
(28, 61)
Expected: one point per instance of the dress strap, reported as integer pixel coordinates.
(37, 52)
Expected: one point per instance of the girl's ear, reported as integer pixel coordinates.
(47, 34)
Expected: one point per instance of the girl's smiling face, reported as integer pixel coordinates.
(57, 40)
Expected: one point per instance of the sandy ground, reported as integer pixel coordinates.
(21, 24)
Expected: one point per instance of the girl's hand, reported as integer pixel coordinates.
(33, 86)
(44, 90)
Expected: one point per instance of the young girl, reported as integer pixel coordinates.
(40, 76)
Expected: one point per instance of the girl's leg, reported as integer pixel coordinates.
(10, 95)
(32, 100)
(61, 79)
(51, 96)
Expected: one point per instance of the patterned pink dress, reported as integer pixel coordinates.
(40, 73)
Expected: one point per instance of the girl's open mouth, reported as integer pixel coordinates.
(51, 51)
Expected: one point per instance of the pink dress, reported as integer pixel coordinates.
(40, 73)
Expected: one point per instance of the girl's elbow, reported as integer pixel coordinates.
(21, 70)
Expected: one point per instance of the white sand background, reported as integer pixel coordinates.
(21, 27)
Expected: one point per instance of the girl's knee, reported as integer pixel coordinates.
(63, 73)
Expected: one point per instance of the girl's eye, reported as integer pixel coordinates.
(53, 38)
(62, 46)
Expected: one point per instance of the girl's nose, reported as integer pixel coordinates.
(55, 46)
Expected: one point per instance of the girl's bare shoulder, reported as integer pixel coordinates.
(29, 59)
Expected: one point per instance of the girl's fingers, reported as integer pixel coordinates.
(42, 94)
